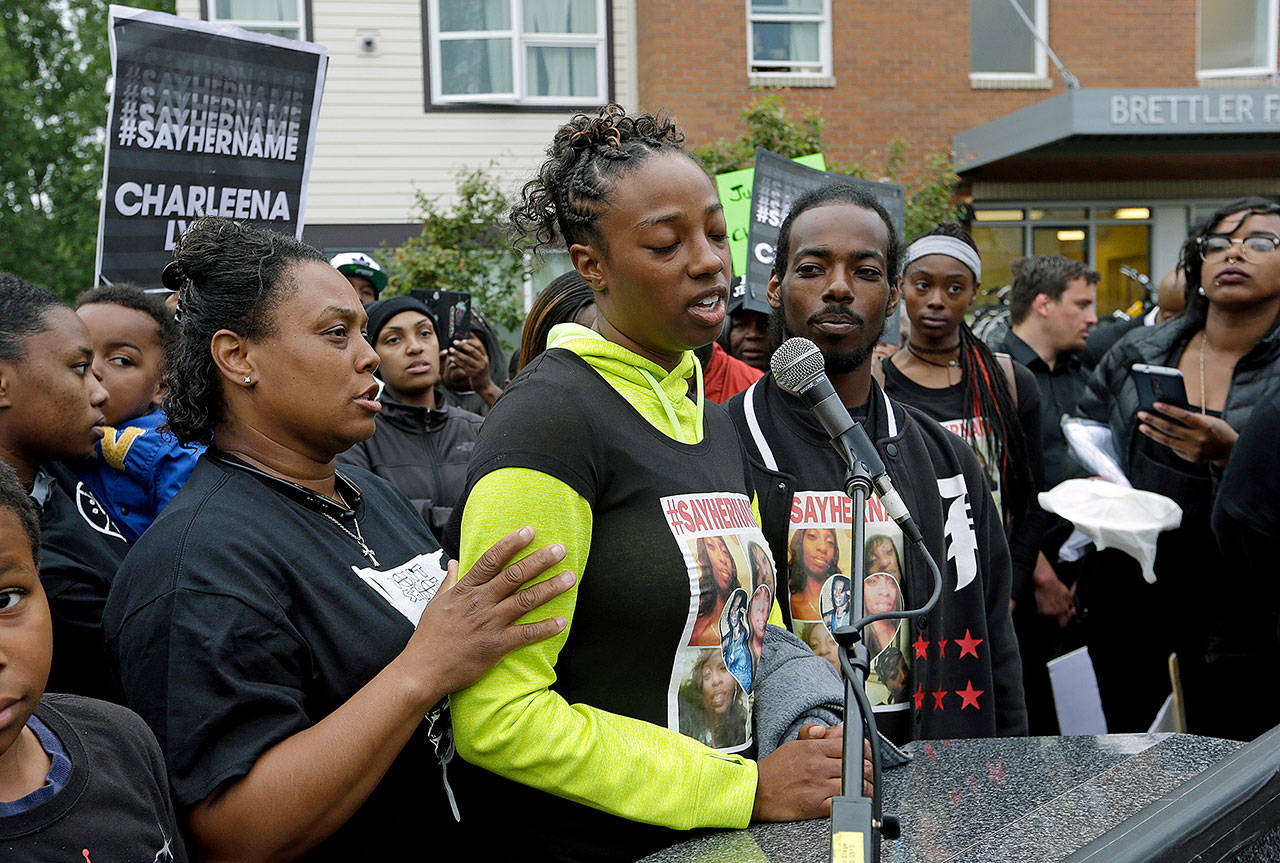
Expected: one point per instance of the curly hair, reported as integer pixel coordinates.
(228, 276)
(838, 193)
(14, 498)
(584, 162)
(23, 307)
(132, 297)
(1192, 256)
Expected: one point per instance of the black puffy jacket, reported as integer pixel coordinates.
(1111, 396)
(423, 453)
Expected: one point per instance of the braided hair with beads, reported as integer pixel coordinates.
(586, 158)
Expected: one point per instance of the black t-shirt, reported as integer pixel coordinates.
(946, 405)
(246, 614)
(115, 805)
(80, 550)
(671, 539)
(1060, 390)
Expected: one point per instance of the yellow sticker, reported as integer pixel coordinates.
(847, 847)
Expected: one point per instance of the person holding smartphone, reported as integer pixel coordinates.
(1227, 347)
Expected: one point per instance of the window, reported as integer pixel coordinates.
(1001, 46)
(531, 52)
(1110, 239)
(287, 18)
(789, 37)
(1237, 37)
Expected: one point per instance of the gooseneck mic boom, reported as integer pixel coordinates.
(799, 369)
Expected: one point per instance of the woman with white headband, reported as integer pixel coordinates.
(948, 373)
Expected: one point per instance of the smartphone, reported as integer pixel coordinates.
(1159, 384)
(452, 310)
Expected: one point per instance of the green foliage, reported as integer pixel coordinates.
(928, 190)
(767, 126)
(54, 65)
(464, 247)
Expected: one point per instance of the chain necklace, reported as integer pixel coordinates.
(1204, 339)
(368, 552)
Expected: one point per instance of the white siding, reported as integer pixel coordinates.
(376, 145)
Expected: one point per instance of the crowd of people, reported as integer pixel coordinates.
(274, 541)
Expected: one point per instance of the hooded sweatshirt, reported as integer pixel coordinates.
(583, 447)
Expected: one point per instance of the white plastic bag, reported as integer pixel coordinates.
(1114, 516)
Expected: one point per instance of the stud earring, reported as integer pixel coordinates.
(248, 379)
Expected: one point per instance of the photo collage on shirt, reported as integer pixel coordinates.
(820, 585)
(731, 587)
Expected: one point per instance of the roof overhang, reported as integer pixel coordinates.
(1106, 133)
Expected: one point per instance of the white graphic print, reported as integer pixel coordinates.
(962, 541)
(410, 586)
(95, 513)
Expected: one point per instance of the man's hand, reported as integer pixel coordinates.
(1053, 598)
(1199, 438)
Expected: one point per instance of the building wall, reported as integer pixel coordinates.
(901, 67)
(376, 145)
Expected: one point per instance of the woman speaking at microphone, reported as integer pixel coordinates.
(606, 443)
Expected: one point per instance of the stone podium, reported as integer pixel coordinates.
(1041, 799)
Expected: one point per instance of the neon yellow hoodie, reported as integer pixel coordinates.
(623, 766)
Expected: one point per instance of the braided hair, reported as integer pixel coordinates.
(586, 158)
(986, 396)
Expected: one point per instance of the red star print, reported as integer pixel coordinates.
(942, 647)
(937, 699)
(919, 697)
(969, 645)
(921, 647)
(969, 695)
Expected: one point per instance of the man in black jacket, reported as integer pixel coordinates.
(834, 283)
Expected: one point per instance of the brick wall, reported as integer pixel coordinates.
(901, 67)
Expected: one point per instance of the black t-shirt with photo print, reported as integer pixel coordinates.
(80, 550)
(115, 802)
(249, 611)
(650, 637)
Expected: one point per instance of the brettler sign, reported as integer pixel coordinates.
(1179, 108)
(205, 120)
(1103, 111)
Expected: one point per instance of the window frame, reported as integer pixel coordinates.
(601, 41)
(822, 69)
(1041, 72)
(1273, 37)
(208, 7)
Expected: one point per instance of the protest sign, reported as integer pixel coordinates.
(734, 189)
(778, 181)
(205, 120)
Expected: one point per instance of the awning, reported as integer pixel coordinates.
(1104, 133)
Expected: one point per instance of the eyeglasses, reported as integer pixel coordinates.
(1259, 244)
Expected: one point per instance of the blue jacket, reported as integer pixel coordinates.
(136, 469)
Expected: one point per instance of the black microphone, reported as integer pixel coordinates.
(799, 369)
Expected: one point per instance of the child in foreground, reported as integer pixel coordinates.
(79, 778)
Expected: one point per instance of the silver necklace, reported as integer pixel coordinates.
(368, 552)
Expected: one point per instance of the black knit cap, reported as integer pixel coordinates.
(384, 310)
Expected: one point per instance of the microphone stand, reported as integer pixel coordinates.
(855, 819)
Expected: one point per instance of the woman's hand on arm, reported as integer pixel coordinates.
(327, 771)
(1199, 438)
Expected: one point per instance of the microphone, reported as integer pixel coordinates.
(799, 369)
